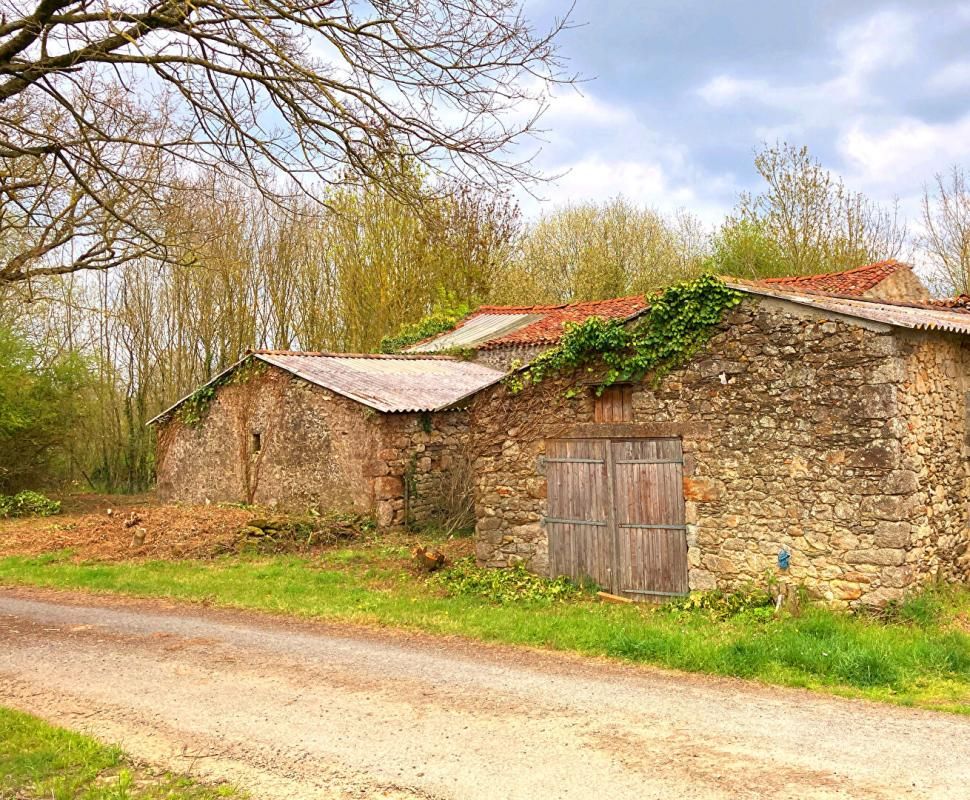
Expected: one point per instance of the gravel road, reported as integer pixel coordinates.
(292, 709)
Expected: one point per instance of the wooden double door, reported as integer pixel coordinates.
(615, 513)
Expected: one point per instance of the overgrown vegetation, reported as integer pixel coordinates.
(41, 402)
(195, 407)
(38, 760)
(294, 534)
(918, 653)
(28, 504)
(720, 605)
(447, 313)
(515, 584)
(678, 321)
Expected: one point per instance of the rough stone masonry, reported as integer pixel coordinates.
(315, 449)
(843, 442)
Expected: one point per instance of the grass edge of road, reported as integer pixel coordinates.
(920, 657)
(40, 760)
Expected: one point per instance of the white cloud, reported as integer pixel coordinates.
(860, 52)
(885, 39)
(953, 77)
(585, 108)
(887, 158)
(725, 90)
(644, 181)
(847, 101)
(852, 105)
(598, 150)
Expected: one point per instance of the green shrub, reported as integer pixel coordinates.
(447, 313)
(513, 584)
(750, 600)
(923, 609)
(28, 504)
(42, 405)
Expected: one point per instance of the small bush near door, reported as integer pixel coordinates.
(509, 585)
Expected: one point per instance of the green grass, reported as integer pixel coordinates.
(38, 760)
(920, 656)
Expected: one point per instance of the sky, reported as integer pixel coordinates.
(679, 95)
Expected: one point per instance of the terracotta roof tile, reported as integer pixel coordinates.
(548, 329)
(959, 303)
(851, 282)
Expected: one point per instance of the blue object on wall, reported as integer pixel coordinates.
(784, 558)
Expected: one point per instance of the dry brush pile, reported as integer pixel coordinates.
(175, 532)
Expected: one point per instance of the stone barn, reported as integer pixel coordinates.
(820, 435)
(365, 433)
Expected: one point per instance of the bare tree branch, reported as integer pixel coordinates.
(106, 105)
(946, 231)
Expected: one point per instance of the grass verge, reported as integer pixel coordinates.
(38, 760)
(919, 657)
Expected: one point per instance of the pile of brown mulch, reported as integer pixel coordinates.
(146, 531)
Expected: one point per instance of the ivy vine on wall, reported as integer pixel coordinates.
(195, 407)
(679, 320)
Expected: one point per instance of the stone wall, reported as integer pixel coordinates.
(318, 450)
(505, 358)
(424, 465)
(901, 285)
(792, 437)
(936, 451)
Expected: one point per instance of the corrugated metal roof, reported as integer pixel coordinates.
(915, 316)
(391, 383)
(474, 330)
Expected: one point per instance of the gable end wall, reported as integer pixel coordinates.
(319, 450)
(901, 285)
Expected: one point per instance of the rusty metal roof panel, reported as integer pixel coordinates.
(390, 383)
(916, 316)
(475, 330)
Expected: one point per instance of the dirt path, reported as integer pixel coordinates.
(301, 710)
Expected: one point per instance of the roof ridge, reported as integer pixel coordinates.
(332, 354)
(885, 264)
(919, 305)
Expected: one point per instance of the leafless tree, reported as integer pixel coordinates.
(946, 231)
(106, 104)
(812, 220)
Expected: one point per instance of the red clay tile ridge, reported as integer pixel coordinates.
(549, 329)
(959, 303)
(849, 283)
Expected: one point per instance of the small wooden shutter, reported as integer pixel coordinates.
(614, 405)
